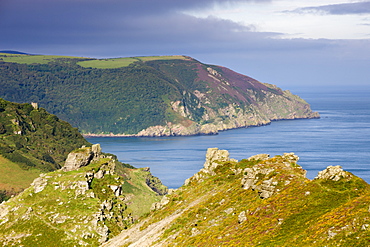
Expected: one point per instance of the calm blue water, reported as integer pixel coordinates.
(340, 137)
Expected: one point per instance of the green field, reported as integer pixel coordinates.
(15, 178)
(32, 59)
(114, 63)
(110, 63)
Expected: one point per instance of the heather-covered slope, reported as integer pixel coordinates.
(31, 141)
(145, 96)
(260, 201)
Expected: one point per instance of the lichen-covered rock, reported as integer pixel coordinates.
(214, 157)
(161, 204)
(259, 157)
(39, 183)
(81, 157)
(4, 210)
(266, 176)
(242, 217)
(334, 173)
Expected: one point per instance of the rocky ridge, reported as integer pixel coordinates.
(259, 201)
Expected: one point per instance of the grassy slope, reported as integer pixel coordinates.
(127, 94)
(60, 215)
(14, 178)
(33, 59)
(122, 62)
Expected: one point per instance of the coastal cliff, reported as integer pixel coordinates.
(146, 96)
(270, 107)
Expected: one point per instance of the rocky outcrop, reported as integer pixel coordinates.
(161, 204)
(81, 157)
(39, 183)
(334, 173)
(155, 183)
(214, 157)
(266, 179)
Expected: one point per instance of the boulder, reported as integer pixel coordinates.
(259, 157)
(242, 217)
(39, 183)
(334, 173)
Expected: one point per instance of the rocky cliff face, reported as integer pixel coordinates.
(92, 198)
(228, 101)
(259, 201)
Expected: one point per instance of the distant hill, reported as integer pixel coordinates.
(145, 96)
(32, 141)
(15, 52)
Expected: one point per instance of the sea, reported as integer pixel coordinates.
(340, 137)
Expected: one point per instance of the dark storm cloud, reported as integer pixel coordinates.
(358, 8)
(138, 26)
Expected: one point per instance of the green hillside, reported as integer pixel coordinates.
(32, 141)
(82, 206)
(147, 96)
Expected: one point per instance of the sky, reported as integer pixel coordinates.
(289, 43)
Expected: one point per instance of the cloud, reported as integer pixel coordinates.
(119, 28)
(357, 8)
(111, 26)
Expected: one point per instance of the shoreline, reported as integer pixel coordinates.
(92, 135)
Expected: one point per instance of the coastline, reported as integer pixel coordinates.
(91, 135)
